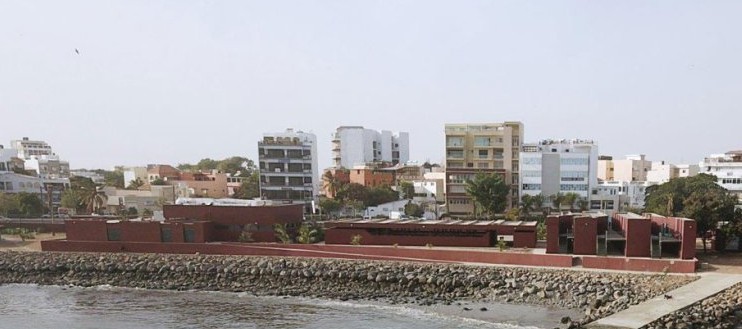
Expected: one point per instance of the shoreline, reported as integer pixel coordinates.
(422, 285)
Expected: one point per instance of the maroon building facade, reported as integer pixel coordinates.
(628, 235)
(453, 233)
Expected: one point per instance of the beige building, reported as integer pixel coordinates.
(632, 169)
(480, 148)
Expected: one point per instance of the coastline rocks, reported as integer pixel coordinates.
(597, 294)
(722, 311)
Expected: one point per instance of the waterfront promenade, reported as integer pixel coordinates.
(637, 316)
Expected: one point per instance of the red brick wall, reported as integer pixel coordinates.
(586, 236)
(639, 264)
(334, 251)
(688, 246)
(638, 238)
(524, 239)
(86, 230)
(552, 235)
(339, 235)
(268, 215)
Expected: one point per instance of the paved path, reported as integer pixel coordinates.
(640, 315)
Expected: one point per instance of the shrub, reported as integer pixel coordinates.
(356, 240)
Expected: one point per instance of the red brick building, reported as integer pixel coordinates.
(628, 235)
(191, 224)
(455, 233)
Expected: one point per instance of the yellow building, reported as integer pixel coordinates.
(480, 148)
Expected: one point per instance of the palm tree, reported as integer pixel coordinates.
(135, 184)
(557, 200)
(331, 184)
(570, 199)
(538, 201)
(306, 234)
(93, 199)
(526, 203)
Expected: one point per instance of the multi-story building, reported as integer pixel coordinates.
(618, 196)
(354, 145)
(48, 166)
(559, 166)
(131, 174)
(480, 148)
(288, 167)
(663, 172)
(27, 148)
(92, 175)
(632, 169)
(45, 188)
(371, 176)
(9, 160)
(727, 168)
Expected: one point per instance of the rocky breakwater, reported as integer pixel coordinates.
(722, 311)
(598, 294)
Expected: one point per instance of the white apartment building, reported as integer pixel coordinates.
(629, 195)
(132, 173)
(632, 169)
(354, 145)
(27, 148)
(12, 183)
(559, 166)
(289, 167)
(663, 172)
(48, 166)
(727, 168)
(9, 159)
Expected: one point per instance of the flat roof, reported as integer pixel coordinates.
(447, 223)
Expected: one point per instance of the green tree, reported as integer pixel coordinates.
(353, 192)
(513, 214)
(9, 204)
(557, 200)
(329, 206)
(81, 183)
(147, 213)
(281, 234)
(29, 204)
(538, 202)
(307, 234)
(71, 199)
(489, 192)
(114, 178)
(378, 195)
(157, 182)
(93, 199)
(408, 190)
(249, 188)
(698, 197)
(207, 164)
(527, 203)
(331, 183)
(132, 211)
(135, 184)
(413, 210)
(570, 199)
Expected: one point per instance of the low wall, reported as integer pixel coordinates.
(57, 227)
(328, 251)
(639, 264)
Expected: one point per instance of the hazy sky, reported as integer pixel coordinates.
(177, 81)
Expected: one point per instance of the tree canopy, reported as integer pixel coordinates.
(489, 192)
(698, 197)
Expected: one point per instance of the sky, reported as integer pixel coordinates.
(177, 81)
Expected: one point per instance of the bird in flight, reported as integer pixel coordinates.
(77, 51)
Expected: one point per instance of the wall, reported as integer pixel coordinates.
(552, 235)
(345, 235)
(638, 237)
(86, 230)
(294, 250)
(585, 236)
(639, 264)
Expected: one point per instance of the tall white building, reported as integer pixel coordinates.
(48, 166)
(727, 168)
(355, 145)
(288, 167)
(663, 172)
(559, 166)
(27, 148)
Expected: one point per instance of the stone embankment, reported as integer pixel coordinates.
(598, 294)
(722, 311)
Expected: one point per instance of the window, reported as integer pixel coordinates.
(573, 187)
(166, 235)
(482, 141)
(532, 161)
(458, 154)
(484, 154)
(455, 141)
(531, 187)
(114, 234)
(483, 165)
(189, 235)
(573, 161)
